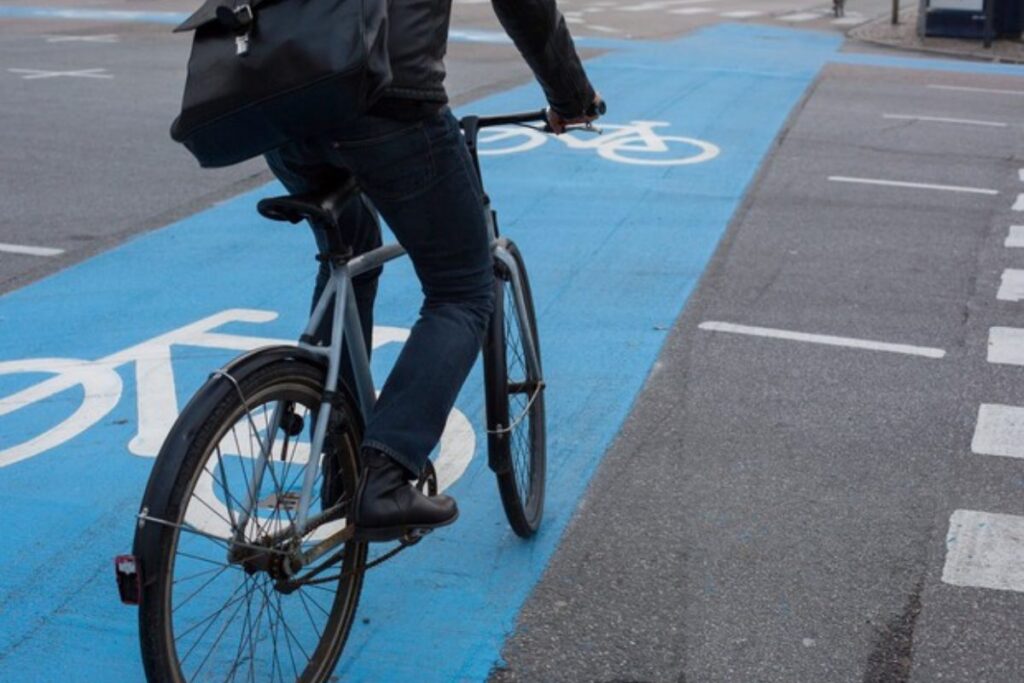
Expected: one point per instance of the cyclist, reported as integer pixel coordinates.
(408, 156)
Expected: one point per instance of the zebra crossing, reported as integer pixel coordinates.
(986, 549)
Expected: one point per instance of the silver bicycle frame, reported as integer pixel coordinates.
(346, 325)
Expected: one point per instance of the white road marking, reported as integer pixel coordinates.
(941, 119)
(659, 5)
(1020, 174)
(32, 74)
(1019, 204)
(921, 186)
(1006, 345)
(999, 431)
(31, 251)
(1016, 236)
(985, 550)
(848, 21)
(800, 16)
(602, 29)
(1011, 287)
(825, 339)
(686, 11)
(964, 88)
(741, 14)
(105, 38)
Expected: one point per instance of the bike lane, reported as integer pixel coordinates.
(613, 251)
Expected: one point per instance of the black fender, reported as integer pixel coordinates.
(149, 535)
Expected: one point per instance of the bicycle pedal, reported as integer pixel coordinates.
(413, 536)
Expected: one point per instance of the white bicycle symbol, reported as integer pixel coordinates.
(637, 143)
(100, 389)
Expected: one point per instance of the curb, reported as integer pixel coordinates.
(910, 16)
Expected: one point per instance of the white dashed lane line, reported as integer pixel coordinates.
(912, 185)
(942, 119)
(30, 251)
(964, 88)
(825, 339)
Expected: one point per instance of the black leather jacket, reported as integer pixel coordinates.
(418, 40)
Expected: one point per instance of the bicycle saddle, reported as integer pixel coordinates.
(318, 207)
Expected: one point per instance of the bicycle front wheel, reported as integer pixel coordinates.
(224, 598)
(513, 381)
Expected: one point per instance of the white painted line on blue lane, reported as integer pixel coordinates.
(31, 251)
(999, 430)
(1011, 285)
(985, 550)
(826, 339)
(942, 119)
(912, 185)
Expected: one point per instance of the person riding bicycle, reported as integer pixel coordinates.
(409, 159)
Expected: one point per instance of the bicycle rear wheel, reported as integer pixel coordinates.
(516, 436)
(221, 599)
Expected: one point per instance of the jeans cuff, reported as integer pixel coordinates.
(413, 470)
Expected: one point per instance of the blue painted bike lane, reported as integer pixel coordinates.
(613, 249)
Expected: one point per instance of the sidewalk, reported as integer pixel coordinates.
(904, 36)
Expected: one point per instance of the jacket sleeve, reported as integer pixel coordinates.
(538, 29)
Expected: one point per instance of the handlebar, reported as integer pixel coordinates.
(541, 116)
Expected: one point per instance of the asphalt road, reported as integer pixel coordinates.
(773, 509)
(776, 510)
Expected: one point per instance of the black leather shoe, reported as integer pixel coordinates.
(387, 507)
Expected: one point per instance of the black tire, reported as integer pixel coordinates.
(516, 440)
(256, 640)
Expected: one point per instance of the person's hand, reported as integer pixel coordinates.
(558, 123)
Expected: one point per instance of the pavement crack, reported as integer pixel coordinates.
(891, 658)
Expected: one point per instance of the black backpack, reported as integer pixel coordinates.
(265, 72)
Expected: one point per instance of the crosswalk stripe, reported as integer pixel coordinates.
(1011, 287)
(985, 550)
(999, 431)
(690, 10)
(1006, 345)
(1016, 236)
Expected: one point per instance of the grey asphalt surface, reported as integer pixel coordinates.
(771, 511)
(777, 511)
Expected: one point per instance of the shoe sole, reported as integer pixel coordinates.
(404, 533)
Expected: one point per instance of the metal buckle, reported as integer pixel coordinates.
(245, 10)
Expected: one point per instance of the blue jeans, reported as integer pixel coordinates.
(420, 177)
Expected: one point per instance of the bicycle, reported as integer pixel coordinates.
(243, 562)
